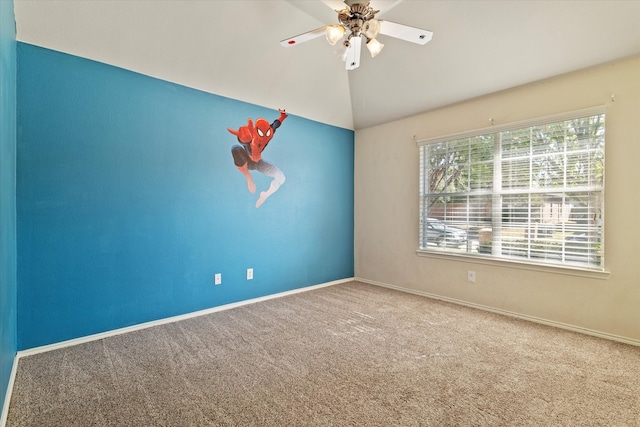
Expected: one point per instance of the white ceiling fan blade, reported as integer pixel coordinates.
(309, 35)
(352, 60)
(405, 32)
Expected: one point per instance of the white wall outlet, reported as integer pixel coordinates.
(217, 279)
(471, 276)
(249, 273)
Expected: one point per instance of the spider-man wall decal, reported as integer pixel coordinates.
(247, 156)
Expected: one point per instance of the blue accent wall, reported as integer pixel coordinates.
(8, 282)
(128, 200)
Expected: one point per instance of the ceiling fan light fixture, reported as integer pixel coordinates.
(334, 33)
(358, 25)
(375, 47)
(371, 28)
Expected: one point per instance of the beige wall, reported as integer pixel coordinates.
(386, 207)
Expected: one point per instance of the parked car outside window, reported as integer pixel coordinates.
(444, 235)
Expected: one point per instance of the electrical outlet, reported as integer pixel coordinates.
(217, 279)
(471, 276)
(249, 273)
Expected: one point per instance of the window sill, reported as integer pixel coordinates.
(522, 265)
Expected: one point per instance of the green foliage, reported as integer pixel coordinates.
(556, 156)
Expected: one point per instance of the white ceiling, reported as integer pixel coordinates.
(231, 48)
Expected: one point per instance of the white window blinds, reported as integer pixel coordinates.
(528, 191)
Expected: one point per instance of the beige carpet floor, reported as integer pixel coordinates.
(345, 355)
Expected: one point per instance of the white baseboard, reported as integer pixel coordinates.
(7, 397)
(99, 336)
(540, 320)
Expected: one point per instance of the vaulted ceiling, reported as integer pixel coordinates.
(231, 48)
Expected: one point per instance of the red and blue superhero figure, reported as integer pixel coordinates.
(247, 156)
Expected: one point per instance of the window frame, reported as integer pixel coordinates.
(525, 263)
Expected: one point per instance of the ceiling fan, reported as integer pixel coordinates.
(357, 22)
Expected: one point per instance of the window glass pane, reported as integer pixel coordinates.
(479, 210)
(517, 209)
(481, 148)
(457, 212)
(533, 194)
(516, 173)
(584, 169)
(547, 171)
(585, 133)
(516, 143)
(481, 162)
(459, 150)
(437, 207)
(481, 176)
(437, 164)
(548, 139)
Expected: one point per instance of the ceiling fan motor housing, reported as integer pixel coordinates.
(356, 17)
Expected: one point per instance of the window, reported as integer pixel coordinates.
(531, 191)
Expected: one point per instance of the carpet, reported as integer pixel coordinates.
(351, 354)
